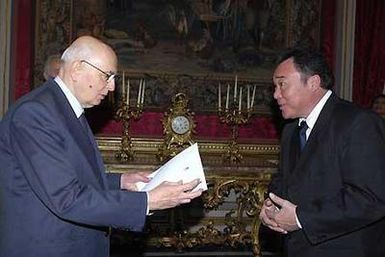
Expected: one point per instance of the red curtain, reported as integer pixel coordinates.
(328, 31)
(369, 56)
(22, 50)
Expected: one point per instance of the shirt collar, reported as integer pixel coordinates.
(313, 116)
(75, 105)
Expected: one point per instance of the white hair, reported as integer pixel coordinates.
(77, 52)
(86, 48)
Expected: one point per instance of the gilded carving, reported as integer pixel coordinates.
(249, 200)
(178, 127)
(241, 188)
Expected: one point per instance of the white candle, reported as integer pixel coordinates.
(128, 92)
(240, 99)
(235, 88)
(252, 98)
(219, 96)
(248, 96)
(139, 91)
(143, 90)
(227, 96)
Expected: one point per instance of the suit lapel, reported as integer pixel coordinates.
(76, 129)
(294, 149)
(97, 155)
(315, 137)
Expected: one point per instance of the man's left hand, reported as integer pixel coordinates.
(128, 180)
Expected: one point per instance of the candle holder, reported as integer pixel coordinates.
(235, 115)
(125, 112)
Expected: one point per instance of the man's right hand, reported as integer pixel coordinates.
(171, 194)
(269, 206)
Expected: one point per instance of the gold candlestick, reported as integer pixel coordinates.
(125, 113)
(234, 115)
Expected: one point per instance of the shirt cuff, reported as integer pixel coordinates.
(297, 220)
(148, 213)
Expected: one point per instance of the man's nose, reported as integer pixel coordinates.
(277, 93)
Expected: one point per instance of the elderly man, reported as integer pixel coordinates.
(55, 198)
(328, 197)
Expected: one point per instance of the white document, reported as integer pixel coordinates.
(185, 166)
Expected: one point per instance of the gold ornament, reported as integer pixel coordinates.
(178, 127)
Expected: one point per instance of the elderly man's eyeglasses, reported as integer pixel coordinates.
(109, 75)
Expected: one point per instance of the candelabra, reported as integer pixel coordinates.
(235, 115)
(125, 112)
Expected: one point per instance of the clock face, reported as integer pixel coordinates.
(180, 125)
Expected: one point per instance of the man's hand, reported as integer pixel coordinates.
(284, 216)
(128, 180)
(171, 194)
(270, 207)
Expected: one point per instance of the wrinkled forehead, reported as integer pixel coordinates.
(106, 60)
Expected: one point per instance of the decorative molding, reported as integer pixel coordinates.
(346, 11)
(226, 214)
(237, 229)
(5, 50)
(258, 155)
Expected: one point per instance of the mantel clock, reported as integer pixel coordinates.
(178, 127)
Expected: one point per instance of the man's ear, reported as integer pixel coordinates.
(76, 70)
(314, 82)
(45, 75)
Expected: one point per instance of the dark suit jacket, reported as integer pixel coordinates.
(55, 199)
(338, 184)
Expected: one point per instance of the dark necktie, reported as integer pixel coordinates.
(302, 134)
(87, 129)
(83, 121)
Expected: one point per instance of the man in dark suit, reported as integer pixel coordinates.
(55, 198)
(328, 197)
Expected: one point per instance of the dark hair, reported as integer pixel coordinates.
(375, 99)
(309, 62)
